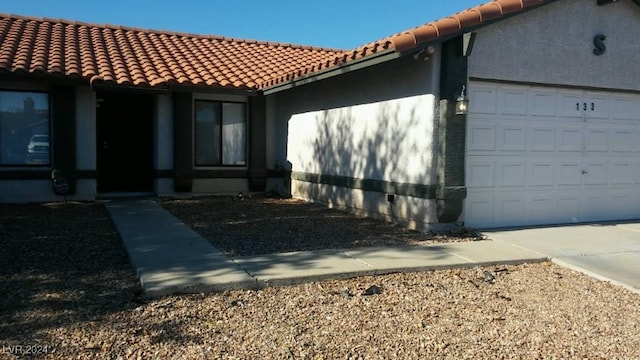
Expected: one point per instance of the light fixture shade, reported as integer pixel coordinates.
(462, 103)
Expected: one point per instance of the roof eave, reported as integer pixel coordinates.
(166, 87)
(328, 73)
(212, 89)
(468, 29)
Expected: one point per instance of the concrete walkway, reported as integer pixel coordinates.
(169, 257)
(608, 251)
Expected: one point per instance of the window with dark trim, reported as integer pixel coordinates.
(220, 133)
(24, 128)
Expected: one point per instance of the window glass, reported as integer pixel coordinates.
(234, 134)
(207, 133)
(24, 128)
(220, 133)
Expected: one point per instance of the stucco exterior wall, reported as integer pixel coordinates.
(388, 140)
(374, 124)
(85, 141)
(163, 143)
(554, 45)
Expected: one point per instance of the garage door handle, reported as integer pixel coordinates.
(584, 172)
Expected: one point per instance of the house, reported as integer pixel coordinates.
(552, 134)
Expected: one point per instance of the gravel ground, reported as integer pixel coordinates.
(66, 285)
(272, 225)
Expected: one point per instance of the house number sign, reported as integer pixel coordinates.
(598, 43)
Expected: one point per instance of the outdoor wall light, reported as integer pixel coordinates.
(427, 53)
(462, 103)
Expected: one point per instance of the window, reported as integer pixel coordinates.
(24, 128)
(220, 133)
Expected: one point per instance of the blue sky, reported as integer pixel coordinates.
(330, 23)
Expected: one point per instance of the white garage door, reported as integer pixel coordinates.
(538, 155)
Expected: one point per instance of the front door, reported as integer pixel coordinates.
(125, 142)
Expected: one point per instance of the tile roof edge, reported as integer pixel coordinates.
(413, 37)
(435, 31)
(305, 75)
(169, 33)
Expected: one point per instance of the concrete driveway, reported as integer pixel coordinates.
(608, 251)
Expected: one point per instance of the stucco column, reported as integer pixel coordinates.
(63, 102)
(257, 143)
(451, 189)
(183, 141)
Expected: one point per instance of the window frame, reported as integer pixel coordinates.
(49, 163)
(220, 140)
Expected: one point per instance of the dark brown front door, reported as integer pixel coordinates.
(125, 142)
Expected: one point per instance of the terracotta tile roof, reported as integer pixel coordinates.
(145, 58)
(432, 32)
(149, 58)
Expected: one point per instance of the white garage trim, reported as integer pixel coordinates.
(543, 155)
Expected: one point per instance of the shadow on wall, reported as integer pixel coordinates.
(361, 154)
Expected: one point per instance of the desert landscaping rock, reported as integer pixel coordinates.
(262, 225)
(67, 285)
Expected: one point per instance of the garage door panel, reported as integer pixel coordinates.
(511, 173)
(622, 173)
(512, 137)
(510, 208)
(570, 138)
(479, 210)
(541, 138)
(540, 207)
(621, 204)
(568, 204)
(483, 99)
(513, 101)
(624, 140)
(623, 108)
(569, 173)
(482, 137)
(597, 173)
(597, 107)
(594, 205)
(481, 172)
(540, 173)
(570, 104)
(543, 102)
(565, 160)
(597, 139)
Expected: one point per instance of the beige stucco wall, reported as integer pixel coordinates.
(378, 123)
(554, 45)
(163, 142)
(85, 141)
(388, 140)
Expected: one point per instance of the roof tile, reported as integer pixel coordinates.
(424, 34)
(470, 18)
(149, 58)
(124, 55)
(491, 11)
